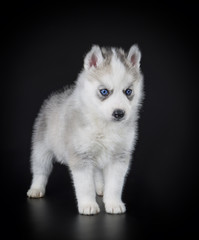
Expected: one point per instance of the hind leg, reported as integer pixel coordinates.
(99, 181)
(41, 166)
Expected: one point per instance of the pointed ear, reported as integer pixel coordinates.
(134, 56)
(93, 58)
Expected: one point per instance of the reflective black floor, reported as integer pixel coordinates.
(56, 217)
(49, 219)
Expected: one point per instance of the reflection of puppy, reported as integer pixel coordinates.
(91, 127)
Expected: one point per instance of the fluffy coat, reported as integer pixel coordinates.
(82, 128)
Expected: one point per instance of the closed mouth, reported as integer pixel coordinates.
(118, 119)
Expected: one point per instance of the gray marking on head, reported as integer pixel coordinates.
(107, 54)
(122, 56)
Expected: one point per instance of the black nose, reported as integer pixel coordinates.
(118, 114)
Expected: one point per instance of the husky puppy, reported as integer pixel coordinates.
(92, 128)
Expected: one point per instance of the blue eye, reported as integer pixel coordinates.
(128, 92)
(104, 92)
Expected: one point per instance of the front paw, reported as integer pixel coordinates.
(35, 193)
(89, 208)
(115, 207)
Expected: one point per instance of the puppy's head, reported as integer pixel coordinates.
(112, 83)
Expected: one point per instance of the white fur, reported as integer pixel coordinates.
(77, 128)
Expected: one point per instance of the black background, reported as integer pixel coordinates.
(43, 46)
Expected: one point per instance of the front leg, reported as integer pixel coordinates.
(114, 175)
(85, 190)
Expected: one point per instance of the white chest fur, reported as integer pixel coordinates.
(101, 145)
